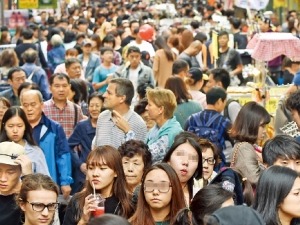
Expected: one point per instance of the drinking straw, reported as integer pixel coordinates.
(94, 190)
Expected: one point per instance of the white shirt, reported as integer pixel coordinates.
(144, 46)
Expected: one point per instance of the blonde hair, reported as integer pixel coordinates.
(163, 97)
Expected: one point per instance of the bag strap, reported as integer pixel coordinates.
(76, 114)
(32, 73)
(234, 155)
(211, 120)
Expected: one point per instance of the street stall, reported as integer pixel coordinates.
(265, 47)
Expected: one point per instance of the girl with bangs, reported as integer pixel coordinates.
(105, 173)
(249, 130)
(160, 197)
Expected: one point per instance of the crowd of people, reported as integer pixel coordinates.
(105, 104)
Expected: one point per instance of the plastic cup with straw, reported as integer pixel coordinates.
(100, 210)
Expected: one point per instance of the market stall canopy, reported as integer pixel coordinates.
(267, 46)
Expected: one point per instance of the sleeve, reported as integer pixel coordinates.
(96, 75)
(63, 158)
(75, 140)
(70, 213)
(140, 131)
(151, 77)
(159, 148)
(80, 113)
(237, 58)
(50, 61)
(41, 166)
(42, 57)
(247, 163)
(44, 86)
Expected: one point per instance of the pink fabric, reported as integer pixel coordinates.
(267, 46)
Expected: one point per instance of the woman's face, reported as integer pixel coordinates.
(95, 107)
(184, 160)
(154, 111)
(102, 177)
(208, 163)
(290, 207)
(261, 133)
(15, 128)
(157, 190)
(133, 169)
(3, 109)
(36, 199)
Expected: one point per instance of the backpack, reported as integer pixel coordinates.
(204, 130)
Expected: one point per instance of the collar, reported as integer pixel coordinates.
(53, 104)
(125, 116)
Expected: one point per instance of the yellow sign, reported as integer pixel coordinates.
(28, 4)
(279, 3)
(215, 49)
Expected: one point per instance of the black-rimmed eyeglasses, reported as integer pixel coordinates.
(210, 161)
(39, 207)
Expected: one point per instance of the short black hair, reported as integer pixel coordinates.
(133, 49)
(132, 22)
(27, 33)
(236, 23)
(109, 38)
(195, 24)
(105, 49)
(12, 71)
(223, 33)
(60, 76)
(293, 101)
(222, 75)
(136, 147)
(179, 65)
(214, 94)
(280, 147)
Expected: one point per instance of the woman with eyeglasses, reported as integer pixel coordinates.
(160, 198)
(210, 159)
(38, 199)
(186, 159)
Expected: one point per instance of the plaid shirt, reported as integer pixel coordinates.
(65, 117)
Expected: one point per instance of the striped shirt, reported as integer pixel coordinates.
(107, 133)
(65, 117)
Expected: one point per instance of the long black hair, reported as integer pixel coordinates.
(273, 186)
(10, 113)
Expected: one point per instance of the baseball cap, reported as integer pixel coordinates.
(196, 74)
(86, 42)
(233, 215)
(9, 151)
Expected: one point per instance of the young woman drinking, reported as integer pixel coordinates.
(105, 175)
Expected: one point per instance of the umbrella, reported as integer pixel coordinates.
(267, 46)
